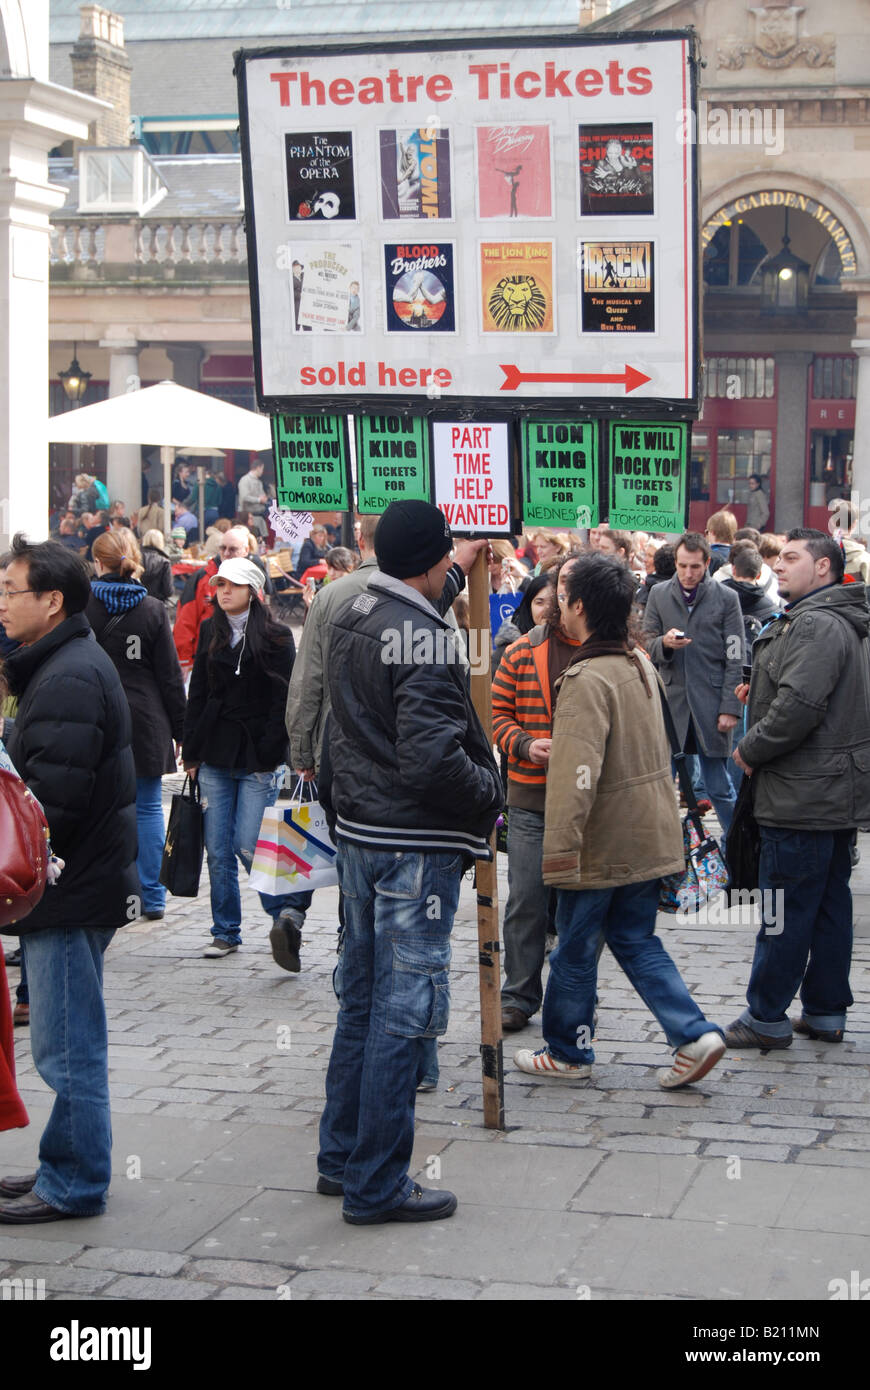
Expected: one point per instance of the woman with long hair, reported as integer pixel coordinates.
(134, 630)
(235, 741)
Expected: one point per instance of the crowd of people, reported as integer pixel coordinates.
(111, 678)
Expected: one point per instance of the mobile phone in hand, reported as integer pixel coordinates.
(747, 674)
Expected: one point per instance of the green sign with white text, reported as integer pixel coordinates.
(559, 473)
(392, 461)
(647, 475)
(311, 462)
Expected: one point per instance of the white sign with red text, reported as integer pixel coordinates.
(471, 467)
(471, 220)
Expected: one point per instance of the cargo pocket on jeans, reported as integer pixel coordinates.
(419, 1004)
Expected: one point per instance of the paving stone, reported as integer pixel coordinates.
(160, 1290)
(651, 1143)
(420, 1286)
(42, 1249)
(771, 1153)
(61, 1279)
(637, 1184)
(333, 1281)
(525, 1293)
(246, 1293)
(253, 1272)
(758, 1134)
(159, 1262)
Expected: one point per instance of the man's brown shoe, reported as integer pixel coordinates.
(512, 1020)
(829, 1035)
(30, 1210)
(21, 1015)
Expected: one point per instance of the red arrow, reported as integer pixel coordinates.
(630, 378)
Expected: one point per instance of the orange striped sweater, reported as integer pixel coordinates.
(521, 712)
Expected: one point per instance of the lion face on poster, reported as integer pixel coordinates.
(517, 303)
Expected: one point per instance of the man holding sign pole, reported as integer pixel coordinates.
(410, 778)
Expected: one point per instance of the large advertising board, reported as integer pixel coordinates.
(481, 223)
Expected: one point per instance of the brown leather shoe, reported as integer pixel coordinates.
(31, 1210)
(21, 1015)
(512, 1020)
(829, 1035)
(17, 1187)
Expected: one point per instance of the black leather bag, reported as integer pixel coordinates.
(743, 845)
(181, 867)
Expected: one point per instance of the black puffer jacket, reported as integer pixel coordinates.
(409, 766)
(236, 721)
(71, 743)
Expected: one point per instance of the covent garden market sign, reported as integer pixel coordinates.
(785, 198)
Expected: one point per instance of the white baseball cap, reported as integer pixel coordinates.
(239, 571)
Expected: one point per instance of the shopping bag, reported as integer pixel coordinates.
(294, 852)
(181, 866)
(705, 874)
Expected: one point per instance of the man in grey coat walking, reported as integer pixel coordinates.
(693, 631)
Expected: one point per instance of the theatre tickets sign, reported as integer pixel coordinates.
(472, 223)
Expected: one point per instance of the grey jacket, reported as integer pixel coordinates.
(699, 680)
(308, 695)
(809, 714)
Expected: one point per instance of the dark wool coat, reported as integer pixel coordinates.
(699, 680)
(70, 741)
(151, 677)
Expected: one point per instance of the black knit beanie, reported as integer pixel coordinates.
(411, 537)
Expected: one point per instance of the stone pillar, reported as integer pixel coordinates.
(861, 447)
(791, 438)
(124, 467)
(35, 116)
(186, 363)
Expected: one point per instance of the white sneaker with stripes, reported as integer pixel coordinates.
(543, 1063)
(692, 1061)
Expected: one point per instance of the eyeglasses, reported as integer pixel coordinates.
(12, 593)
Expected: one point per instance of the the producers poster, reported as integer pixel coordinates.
(560, 473)
(648, 468)
(392, 460)
(320, 175)
(514, 171)
(617, 292)
(310, 462)
(326, 287)
(516, 286)
(415, 174)
(419, 287)
(616, 169)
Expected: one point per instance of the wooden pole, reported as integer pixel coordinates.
(489, 951)
(167, 458)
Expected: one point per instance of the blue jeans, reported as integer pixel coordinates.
(626, 918)
(70, 1051)
(233, 805)
(399, 911)
(152, 833)
(813, 950)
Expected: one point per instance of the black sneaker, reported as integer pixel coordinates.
(285, 938)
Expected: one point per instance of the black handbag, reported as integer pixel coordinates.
(743, 845)
(181, 867)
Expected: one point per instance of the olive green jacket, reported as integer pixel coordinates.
(808, 737)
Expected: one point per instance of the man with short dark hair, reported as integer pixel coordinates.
(70, 741)
(756, 607)
(611, 831)
(409, 775)
(807, 750)
(693, 631)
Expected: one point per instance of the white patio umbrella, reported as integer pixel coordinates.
(168, 415)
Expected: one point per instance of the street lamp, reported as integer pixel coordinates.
(74, 380)
(785, 280)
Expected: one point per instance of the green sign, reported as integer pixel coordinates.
(392, 460)
(311, 462)
(560, 472)
(648, 472)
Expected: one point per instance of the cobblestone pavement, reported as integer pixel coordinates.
(751, 1185)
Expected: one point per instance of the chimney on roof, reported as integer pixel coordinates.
(102, 68)
(590, 10)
